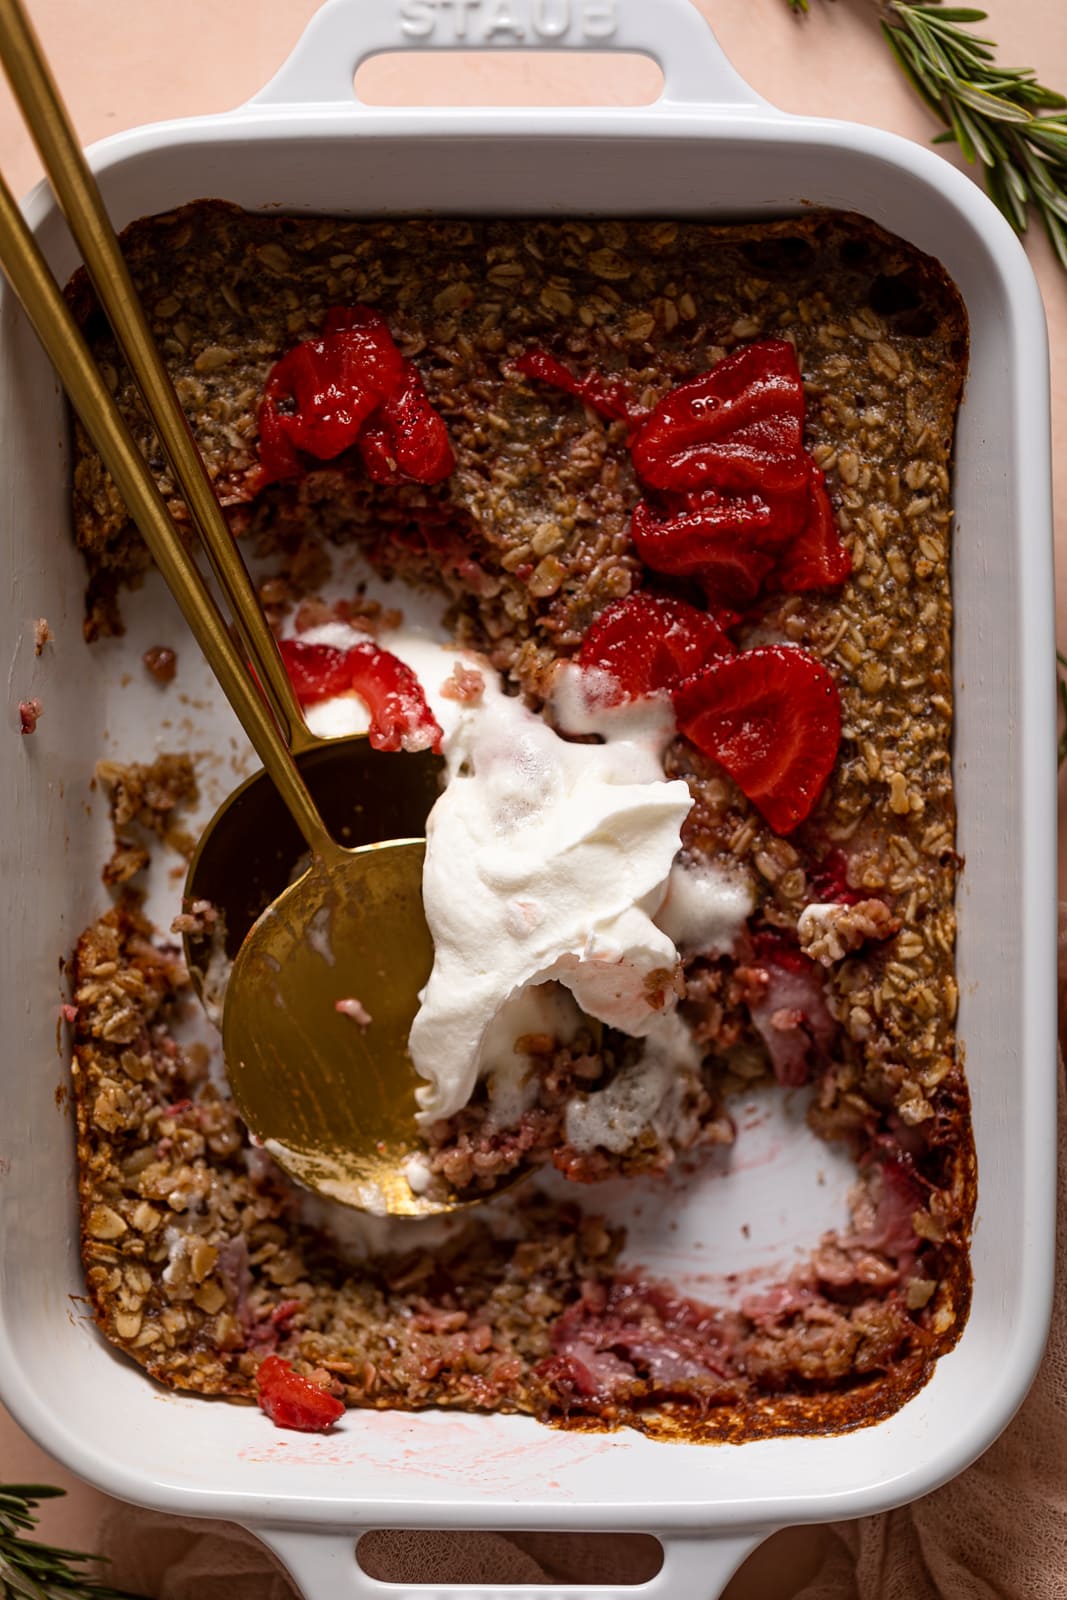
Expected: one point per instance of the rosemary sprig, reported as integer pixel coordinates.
(32, 1571)
(999, 116)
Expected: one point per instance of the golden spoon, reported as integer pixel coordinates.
(333, 1100)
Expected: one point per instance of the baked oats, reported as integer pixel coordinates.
(545, 347)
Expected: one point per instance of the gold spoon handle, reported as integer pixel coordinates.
(25, 269)
(79, 198)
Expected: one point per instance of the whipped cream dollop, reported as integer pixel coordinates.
(546, 860)
(706, 908)
(511, 1047)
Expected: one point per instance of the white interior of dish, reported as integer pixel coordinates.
(91, 1406)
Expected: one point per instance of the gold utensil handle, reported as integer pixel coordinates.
(80, 200)
(27, 272)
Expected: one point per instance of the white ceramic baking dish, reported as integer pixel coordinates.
(708, 148)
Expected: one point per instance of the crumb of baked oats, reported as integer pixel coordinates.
(42, 635)
(465, 684)
(124, 863)
(161, 663)
(201, 919)
(151, 797)
(827, 932)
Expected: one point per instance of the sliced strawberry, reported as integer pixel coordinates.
(772, 717)
(320, 396)
(650, 642)
(417, 434)
(680, 542)
(382, 367)
(610, 397)
(291, 1401)
(278, 457)
(317, 398)
(716, 541)
(816, 559)
(731, 579)
(316, 671)
(375, 450)
(400, 717)
(738, 426)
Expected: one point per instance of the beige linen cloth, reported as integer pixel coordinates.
(998, 1532)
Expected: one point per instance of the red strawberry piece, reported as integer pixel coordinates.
(717, 542)
(291, 1401)
(816, 559)
(898, 1196)
(610, 397)
(376, 454)
(681, 541)
(789, 515)
(316, 671)
(278, 458)
(731, 579)
(790, 1013)
(650, 642)
(738, 426)
(772, 717)
(320, 396)
(400, 717)
(382, 367)
(317, 398)
(418, 438)
(284, 1312)
(830, 880)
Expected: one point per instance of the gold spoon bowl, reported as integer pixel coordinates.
(350, 930)
(364, 797)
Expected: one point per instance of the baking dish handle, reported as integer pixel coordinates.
(344, 33)
(323, 1565)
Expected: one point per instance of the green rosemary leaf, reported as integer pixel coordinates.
(1016, 181)
(1057, 233)
(33, 1571)
(990, 105)
(927, 41)
(948, 14)
(1001, 191)
(972, 149)
(1049, 134)
(896, 43)
(1046, 191)
(970, 43)
(970, 136)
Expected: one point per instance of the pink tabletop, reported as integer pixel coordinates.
(134, 61)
